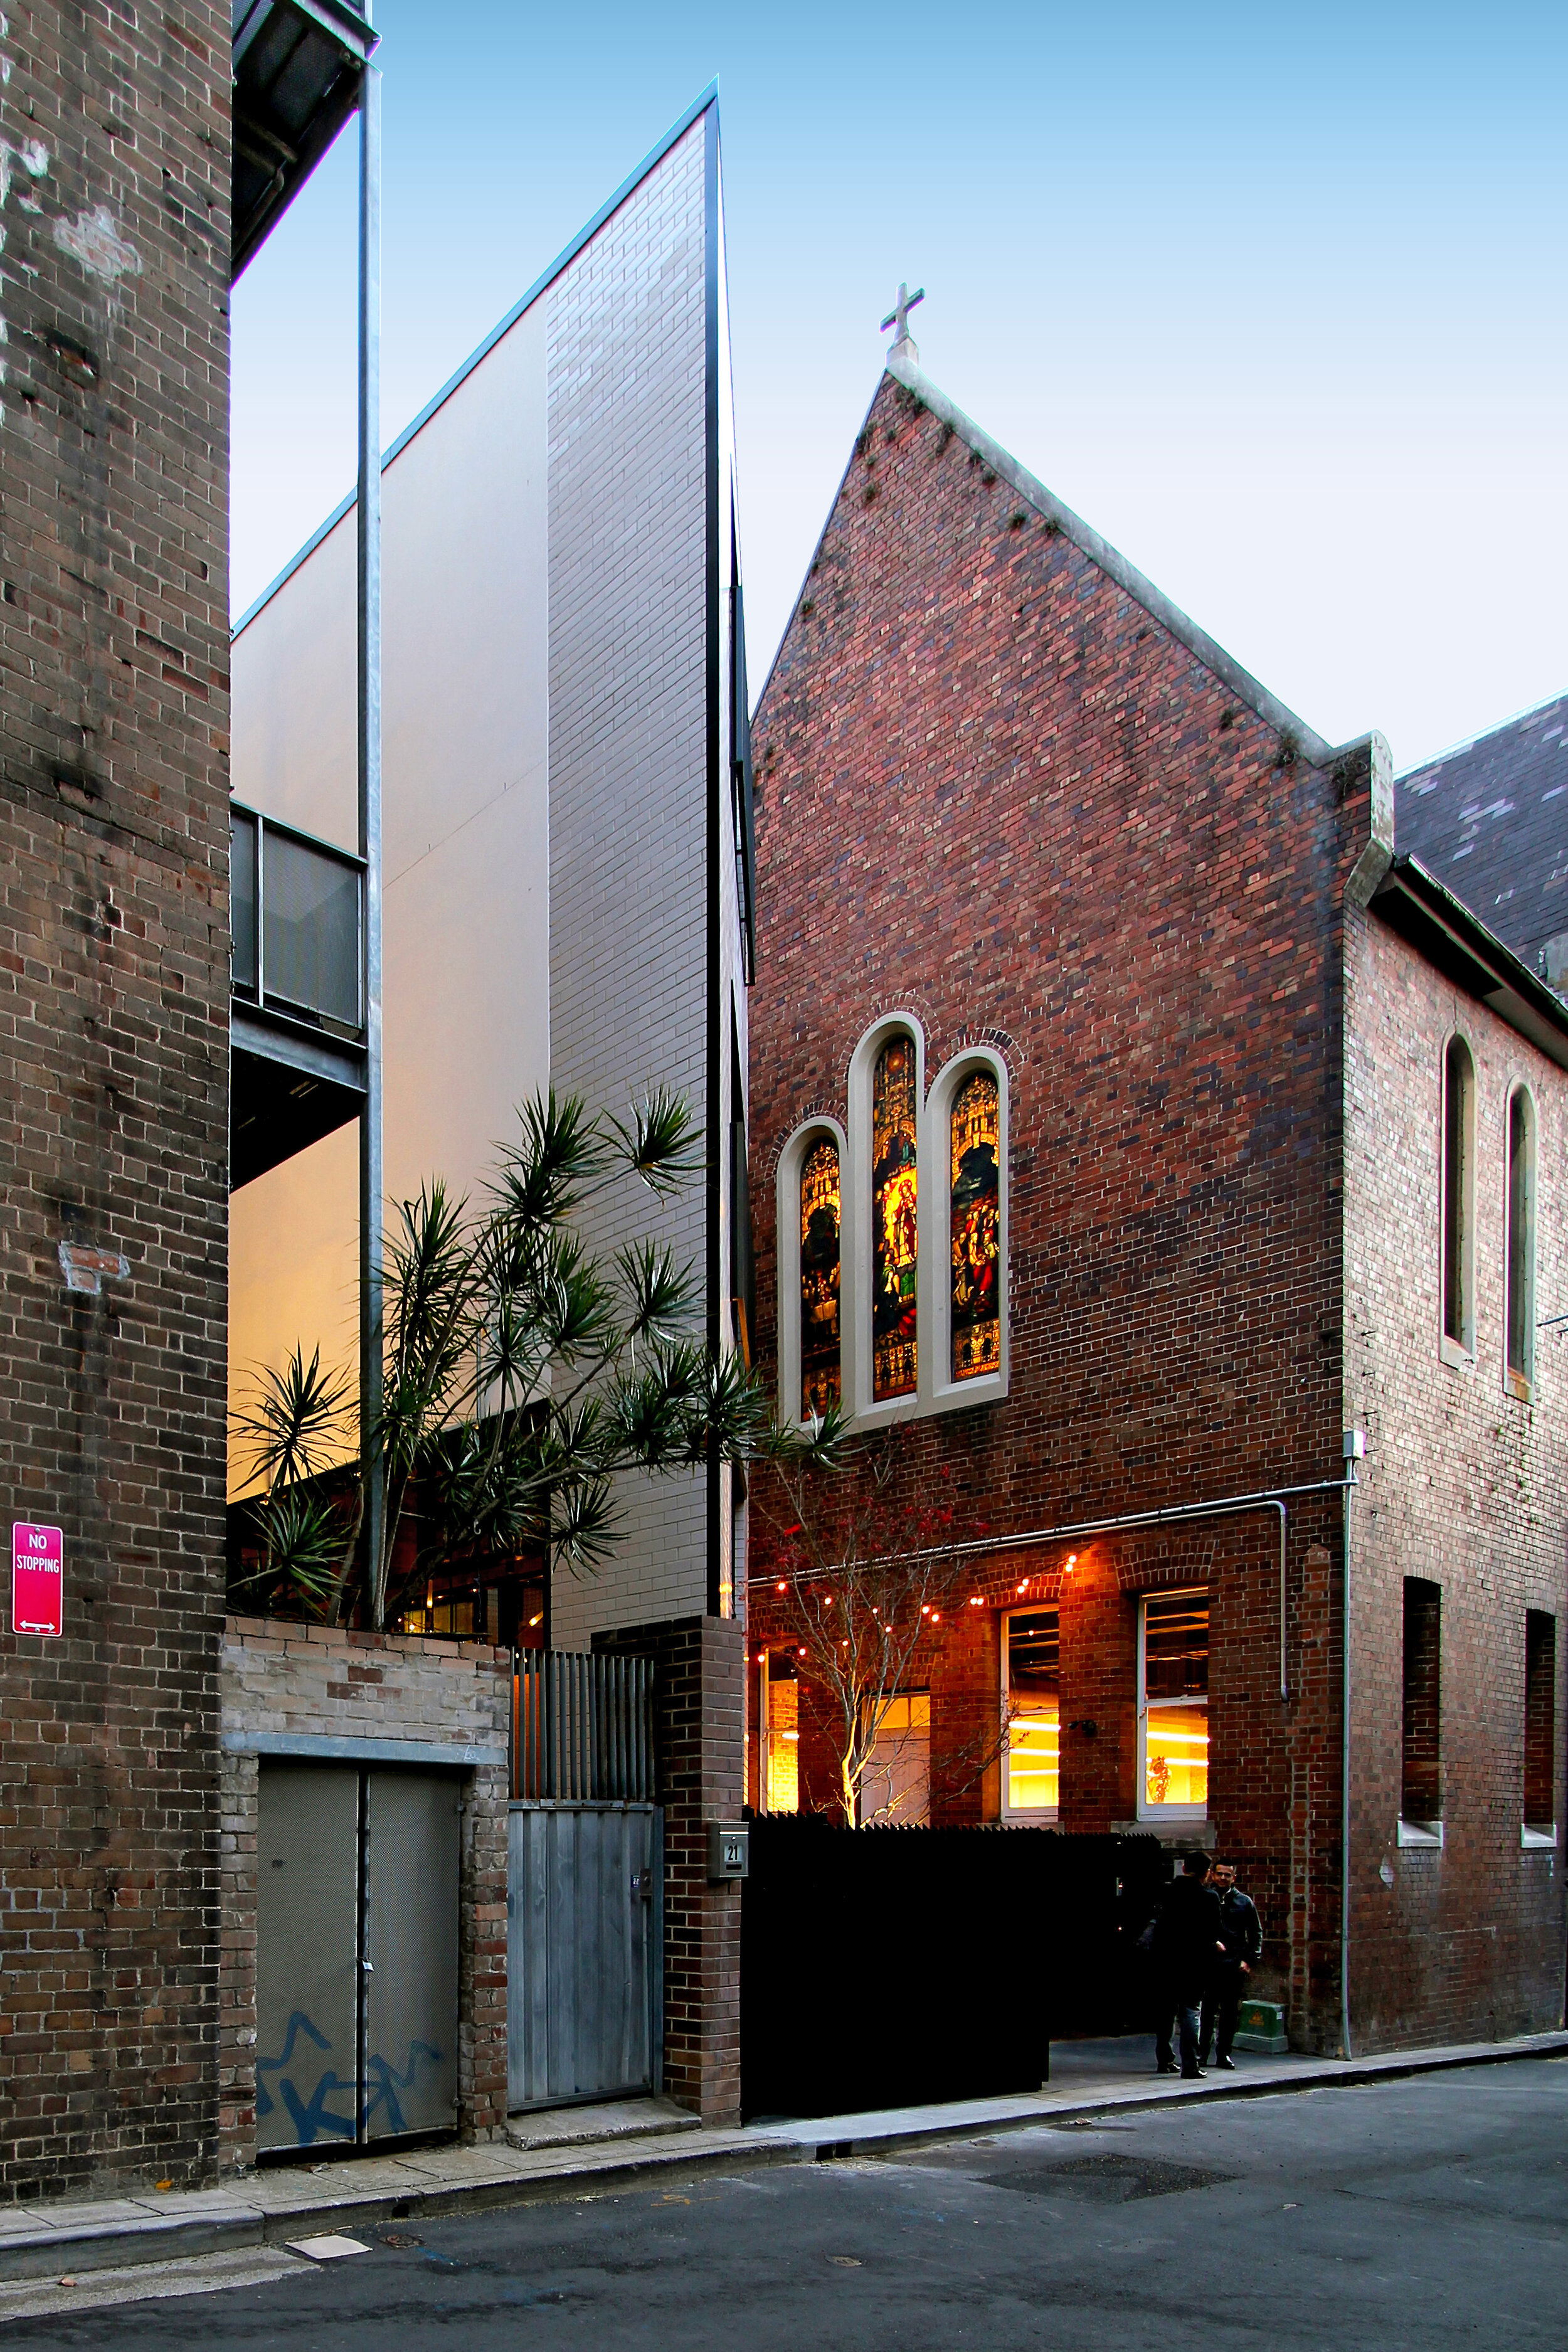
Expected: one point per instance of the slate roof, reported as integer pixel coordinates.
(1490, 819)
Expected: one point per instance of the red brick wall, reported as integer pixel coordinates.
(699, 1670)
(998, 793)
(113, 1078)
(1464, 1484)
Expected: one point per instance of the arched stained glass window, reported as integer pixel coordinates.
(976, 1229)
(819, 1226)
(894, 1203)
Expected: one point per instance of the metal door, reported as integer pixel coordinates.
(356, 1962)
(307, 1955)
(412, 1829)
(584, 1929)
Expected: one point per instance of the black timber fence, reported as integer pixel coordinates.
(893, 1966)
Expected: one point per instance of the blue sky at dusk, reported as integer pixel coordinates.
(1273, 298)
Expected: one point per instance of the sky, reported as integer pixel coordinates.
(1272, 295)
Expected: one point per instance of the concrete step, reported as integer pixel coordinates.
(604, 2119)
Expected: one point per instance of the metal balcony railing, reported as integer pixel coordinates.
(297, 913)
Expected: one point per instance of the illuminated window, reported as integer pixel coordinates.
(976, 1234)
(895, 1783)
(894, 1204)
(1173, 1706)
(1459, 1196)
(782, 1726)
(1031, 1690)
(1521, 1237)
(820, 1376)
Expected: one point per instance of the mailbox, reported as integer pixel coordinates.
(729, 1851)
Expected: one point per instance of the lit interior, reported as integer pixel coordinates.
(1033, 1750)
(1176, 1756)
(784, 1746)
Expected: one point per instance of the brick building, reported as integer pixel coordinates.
(113, 1077)
(1129, 1124)
(140, 1742)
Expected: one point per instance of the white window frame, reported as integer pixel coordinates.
(944, 1393)
(1011, 1812)
(1146, 1811)
(787, 1231)
(935, 1390)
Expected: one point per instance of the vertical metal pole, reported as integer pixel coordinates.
(1345, 2049)
(373, 1468)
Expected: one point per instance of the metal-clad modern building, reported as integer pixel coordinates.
(564, 884)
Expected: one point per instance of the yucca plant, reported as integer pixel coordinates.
(300, 1531)
(522, 1374)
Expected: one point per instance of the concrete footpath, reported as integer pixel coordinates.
(586, 2151)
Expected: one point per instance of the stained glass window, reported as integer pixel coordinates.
(894, 1190)
(976, 1229)
(819, 1223)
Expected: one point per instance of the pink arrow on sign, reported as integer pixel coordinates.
(38, 1579)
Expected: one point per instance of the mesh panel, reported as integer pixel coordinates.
(311, 913)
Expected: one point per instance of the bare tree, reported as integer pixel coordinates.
(872, 1584)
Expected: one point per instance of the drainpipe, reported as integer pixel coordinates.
(373, 1468)
(1354, 1447)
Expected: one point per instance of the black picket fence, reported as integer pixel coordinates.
(892, 1966)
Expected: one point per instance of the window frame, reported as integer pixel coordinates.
(1458, 1349)
(1536, 1828)
(1009, 1811)
(1417, 1829)
(945, 1393)
(1518, 1378)
(1144, 1811)
(815, 1129)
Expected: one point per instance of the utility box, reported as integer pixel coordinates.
(1260, 2026)
(728, 1852)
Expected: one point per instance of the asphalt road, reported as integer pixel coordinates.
(1429, 2212)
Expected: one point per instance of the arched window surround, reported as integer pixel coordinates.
(936, 1200)
(787, 1227)
(856, 1277)
(1519, 1249)
(1457, 1212)
(936, 1391)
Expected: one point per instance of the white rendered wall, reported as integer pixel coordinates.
(628, 761)
(465, 828)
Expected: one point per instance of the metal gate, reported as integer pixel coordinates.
(356, 1961)
(586, 1882)
(585, 1941)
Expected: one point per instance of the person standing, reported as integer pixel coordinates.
(1186, 1947)
(1241, 1939)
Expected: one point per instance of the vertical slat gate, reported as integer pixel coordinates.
(584, 2011)
(583, 1729)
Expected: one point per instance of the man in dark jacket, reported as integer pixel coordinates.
(1241, 1934)
(1186, 1946)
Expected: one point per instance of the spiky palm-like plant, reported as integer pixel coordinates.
(523, 1375)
